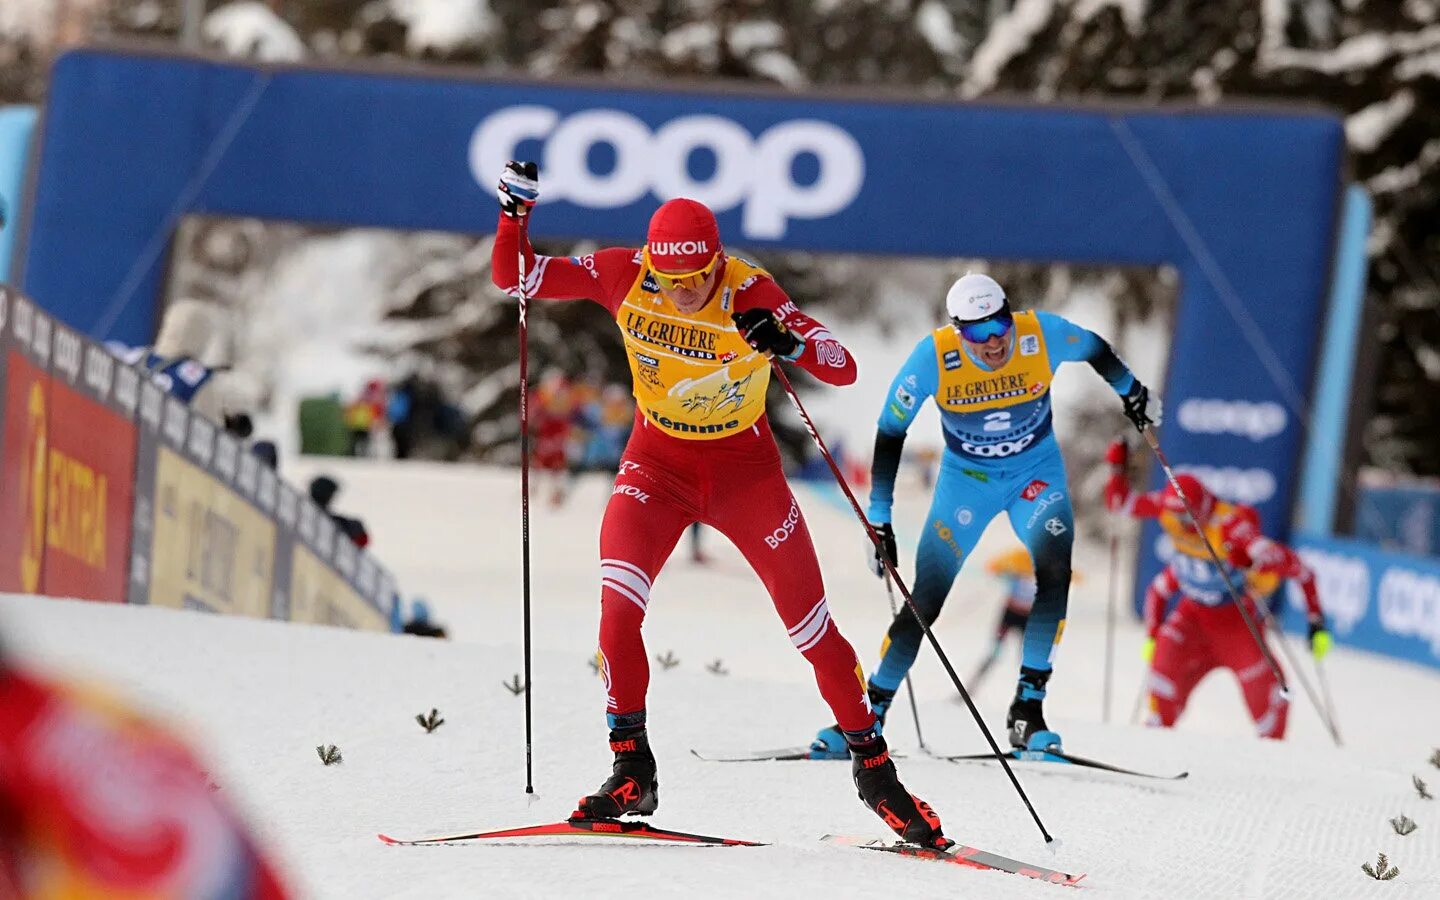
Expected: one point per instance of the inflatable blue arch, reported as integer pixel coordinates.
(1242, 201)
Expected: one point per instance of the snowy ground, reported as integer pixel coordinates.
(1255, 819)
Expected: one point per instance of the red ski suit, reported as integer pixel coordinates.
(1205, 630)
(698, 455)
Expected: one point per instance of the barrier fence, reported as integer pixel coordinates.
(111, 490)
(1375, 599)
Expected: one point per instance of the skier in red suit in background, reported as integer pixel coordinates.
(700, 330)
(1206, 630)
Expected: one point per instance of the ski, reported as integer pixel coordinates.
(960, 855)
(603, 828)
(785, 754)
(1059, 756)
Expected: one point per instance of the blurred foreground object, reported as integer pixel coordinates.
(97, 802)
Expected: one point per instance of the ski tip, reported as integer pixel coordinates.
(387, 839)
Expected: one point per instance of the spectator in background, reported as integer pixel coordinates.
(178, 364)
(420, 624)
(398, 413)
(95, 801)
(364, 414)
(552, 412)
(323, 489)
(613, 416)
(423, 423)
(265, 452)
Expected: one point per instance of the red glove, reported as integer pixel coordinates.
(1117, 491)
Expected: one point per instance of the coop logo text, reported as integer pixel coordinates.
(753, 172)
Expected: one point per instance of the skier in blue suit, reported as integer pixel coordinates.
(989, 371)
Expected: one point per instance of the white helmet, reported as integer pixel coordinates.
(974, 296)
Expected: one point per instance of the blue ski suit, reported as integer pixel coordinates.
(1000, 455)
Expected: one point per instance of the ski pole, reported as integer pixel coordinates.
(909, 688)
(525, 500)
(1235, 596)
(1140, 698)
(1110, 623)
(1327, 716)
(905, 592)
(1329, 701)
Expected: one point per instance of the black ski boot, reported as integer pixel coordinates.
(631, 789)
(880, 789)
(1026, 721)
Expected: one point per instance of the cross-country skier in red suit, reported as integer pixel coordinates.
(1205, 630)
(700, 330)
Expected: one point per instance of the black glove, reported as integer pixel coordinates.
(240, 425)
(1140, 408)
(519, 188)
(766, 333)
(887, 546)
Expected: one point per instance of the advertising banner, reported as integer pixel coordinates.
(89, 471)
(142, 530)
(1375, 600)
(319, 594)
(211, 549)
(23, 444)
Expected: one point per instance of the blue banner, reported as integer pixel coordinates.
(1402, 518)
(1241, 201)
(1386, 603)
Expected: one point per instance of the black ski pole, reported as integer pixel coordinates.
(905, 592)
(909, 687)
(525, 501)
(1110, 623)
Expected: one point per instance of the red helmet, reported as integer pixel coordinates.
(683, 236)
(1201, 500)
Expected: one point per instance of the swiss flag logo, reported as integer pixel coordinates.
(1033, 489)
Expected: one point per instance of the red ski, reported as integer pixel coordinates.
(605, 828)
(960, 855)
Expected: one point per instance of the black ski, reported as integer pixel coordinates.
(1062, 758)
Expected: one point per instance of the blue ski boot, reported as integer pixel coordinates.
(830, 742)
(1026, 721)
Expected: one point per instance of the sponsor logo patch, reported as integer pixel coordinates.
(952, 359)
(1033, 489)
(782, 534)
(1029, 344)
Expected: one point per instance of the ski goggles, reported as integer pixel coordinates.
(981, 330)
(671, 280)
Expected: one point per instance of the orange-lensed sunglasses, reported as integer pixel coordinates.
(672, 280)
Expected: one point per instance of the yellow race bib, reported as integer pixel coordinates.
(1177, 527)
(966, 387)
(694, 375)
